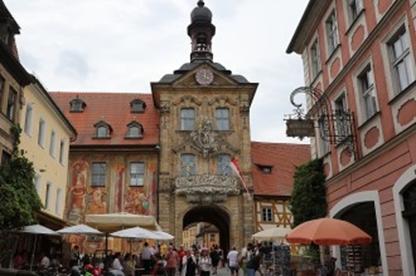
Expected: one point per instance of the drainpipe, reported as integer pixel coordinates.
(157, 147)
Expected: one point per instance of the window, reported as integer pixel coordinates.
(11, 104)
(332, 32)
(223, 164)
(61, 151)
(187, 118)
(28, 119)
(5, 157)
(315, 59)
(98, 177)
(267, 214)
(354, 9)
(103, 130)
(323, 132)
(367, 92)
(137, 106)
(401, 60)
(58, 202)
(36, 182)
(137, 174)
(47, 195)
(266, 169)
(41, 134)
(1, 92)
(135, 130)
(222, 116)
(77, 105)
(52, 144)
(188, 164)
(340, 116)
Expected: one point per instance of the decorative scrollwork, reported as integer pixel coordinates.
(204, 187)
(204, 138)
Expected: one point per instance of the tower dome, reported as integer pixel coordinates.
(201, 31)
(201, 13)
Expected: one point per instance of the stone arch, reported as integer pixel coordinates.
(357, 198)
(212, 214)
(406, 179)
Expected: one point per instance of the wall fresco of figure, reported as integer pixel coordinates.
(77, 191)
(97, 201)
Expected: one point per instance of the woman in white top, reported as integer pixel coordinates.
(205, 263)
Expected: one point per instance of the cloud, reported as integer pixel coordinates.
(123, 45)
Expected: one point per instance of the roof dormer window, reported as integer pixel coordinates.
(102, 130)
(135, 130)
(77, 105)
(137, 106)
(266, 169)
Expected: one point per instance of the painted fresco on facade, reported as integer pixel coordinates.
(77, 191)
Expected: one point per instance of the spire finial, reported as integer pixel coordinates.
(201, 3)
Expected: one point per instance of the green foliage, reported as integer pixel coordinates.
(308, 199)
(18, 197)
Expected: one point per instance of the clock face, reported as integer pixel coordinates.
(204, 76)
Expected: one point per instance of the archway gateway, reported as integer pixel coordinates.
(214, 215)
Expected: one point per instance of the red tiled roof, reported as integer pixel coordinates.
(283, 158)
(114, 109)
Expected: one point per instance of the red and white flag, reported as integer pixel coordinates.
(236, 169)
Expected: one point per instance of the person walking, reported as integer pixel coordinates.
(172, 258)
(205, 263)
(189, 264)
(215, 259)
(253, 261)
(146, 257)
(232, 259)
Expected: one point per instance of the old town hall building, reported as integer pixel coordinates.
(168, 153)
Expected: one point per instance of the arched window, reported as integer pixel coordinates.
(77, 105)
(102, 130)
(223, 164)
(188, 164)
(135, 130)
(137, 106)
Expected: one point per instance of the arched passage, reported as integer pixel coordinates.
(213, 215)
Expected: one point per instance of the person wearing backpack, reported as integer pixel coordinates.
(253, 261)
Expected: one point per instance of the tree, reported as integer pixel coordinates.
(308, 200)
(18, 197)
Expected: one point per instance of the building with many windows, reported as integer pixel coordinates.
(359, 61)
(13, 78)
(45, 138)
(168, 153)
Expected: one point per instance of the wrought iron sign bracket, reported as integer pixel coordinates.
(335, 126)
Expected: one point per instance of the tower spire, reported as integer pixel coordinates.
(201, 31)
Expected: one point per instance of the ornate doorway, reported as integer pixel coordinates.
(214, 215)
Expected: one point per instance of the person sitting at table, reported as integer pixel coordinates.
(116, 267)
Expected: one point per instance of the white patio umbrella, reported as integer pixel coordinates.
(36, 230)
(163, 236)
(275, 234)
(136, 233)
(80, 229)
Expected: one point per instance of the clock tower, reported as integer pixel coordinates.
(204, 124)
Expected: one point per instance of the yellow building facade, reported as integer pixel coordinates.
(45, 138)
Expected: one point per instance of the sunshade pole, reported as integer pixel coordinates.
(106, 244)
(33, 252)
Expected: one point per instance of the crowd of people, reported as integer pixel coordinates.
(171, 261)
(163, 259)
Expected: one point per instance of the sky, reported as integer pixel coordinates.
(123, 45)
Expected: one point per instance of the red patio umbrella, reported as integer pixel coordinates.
(328, 231)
